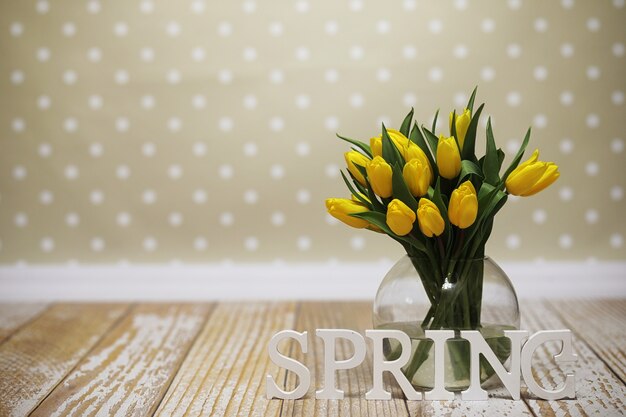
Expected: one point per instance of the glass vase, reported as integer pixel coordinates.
(470, 294)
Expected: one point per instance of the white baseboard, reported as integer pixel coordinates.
(304, 281)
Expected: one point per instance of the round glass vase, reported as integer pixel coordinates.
(475, 294)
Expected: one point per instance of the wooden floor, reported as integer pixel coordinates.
(211, 359)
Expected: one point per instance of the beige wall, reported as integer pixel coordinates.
(150, 131)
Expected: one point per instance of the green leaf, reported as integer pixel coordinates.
(468, 168)
(501, 156)
(380, 220)
(406, 123)
(432, 140)
(518, 156)
(418, 138)
(355, 192)
(364, 147)
(470, 103)
(469, 146)
(434, 127)
(401, 190)
(391, 154)
(491, 165)
(443, 209)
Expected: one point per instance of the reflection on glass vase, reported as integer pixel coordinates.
(472, 294)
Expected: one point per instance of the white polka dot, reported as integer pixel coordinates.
(513, 50)
(567, 50)
(174, 172)
(250, 149)
(250, 196)
(617, 97)
(197, 6)
(618, 49)
(70, 77)
(356, 5)
(276, 28)
(21, 219)
(617, 241)
(512, 146)
(303, 148)
(146, 6)
(226, 171)
(592, 216)
(149, 197)
(540, 73)
(42, 6)
(356, 100)
(227, 219)
(331, 27)
(435, 26)
(226, 124)
(435, 74)
(120, 29)
(224, 29)
(16, 29)
(44, 102)
(303, 196)
(302, 53)
(72, 219)
(249, 6)
(70, 125)
(514, 4)
(302, 6)
(331, 75)
(122, 124)
(249, 54)
(303, 101)
(225, 76)
(95, 102)
(44, 150)
(96, 197)
(200, 196)
(566, 145)
(173, 29)
(250, 101)
(18, 125)
(592, 168)
(122, 172)
(17, 77)
(566, 194)
(251, 243)
(123, 219)
(488, 25)
(278, 218)
(567, 98)
(175, 219)
(200, 244)
(540, 216)
(331, 220)
(47, 244)
(540, 24)
(121, 77)
(409, 51)
(593, 72)
(19, 172)
(357, 52)
(593, 24)
(277, 171)
(357, 243)
(384, 120)
(383, 27)
(618, 4)
(331, 123)
(566, 241)
(592, 121)
(174, 124)
(199, 149)
(173, 76)
(617, 145)
(71, 172)
(148, 149)
(383, 75)
(567, 4)
(198, 101)
(94, 54)
(332, 171)
(460, 52)
(540, 121)
(149, 244)
(97, 244)
(514, 98)
(96, 150)
(409, 99)
(487, 73)
(304, 243)
(617, 193)
(513, 242)
(94, 6)
(277, 124)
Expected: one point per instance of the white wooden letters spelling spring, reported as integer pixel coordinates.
(520, 361)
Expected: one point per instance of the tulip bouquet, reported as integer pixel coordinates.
(438, 199)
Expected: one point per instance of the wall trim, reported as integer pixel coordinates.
(304, 281)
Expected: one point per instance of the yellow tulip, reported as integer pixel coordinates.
(356, 158)
(379, 174)
(463, 207)
(341, 208)
(448, 157)
(531, 176)
(429, 218)
(462, 122)
(417, 175)
(400, 217)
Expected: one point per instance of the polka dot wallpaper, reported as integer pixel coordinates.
(203, 131)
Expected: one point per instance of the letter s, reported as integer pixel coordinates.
(271, 389)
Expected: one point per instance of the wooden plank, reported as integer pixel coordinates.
(598, 391)
(224, 372)
(355, 382)
(15, 315)
(39, 355)
(601, 323)
(130, 370)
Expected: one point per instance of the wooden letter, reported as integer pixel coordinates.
(271, 389)
(330, 392)
(439, 338)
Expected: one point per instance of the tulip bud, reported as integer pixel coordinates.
(353, 157)
(462, 122)
(531, 176)
(398, 139)
(463, 207)
(448, 157)
(417, 175)
(400, 217)
(429, 218)
(341, 208)
(379, 174)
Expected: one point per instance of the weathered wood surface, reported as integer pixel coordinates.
(211, 360)
(129, 371)
(38, 356)
(15, 315)
(598, 391)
